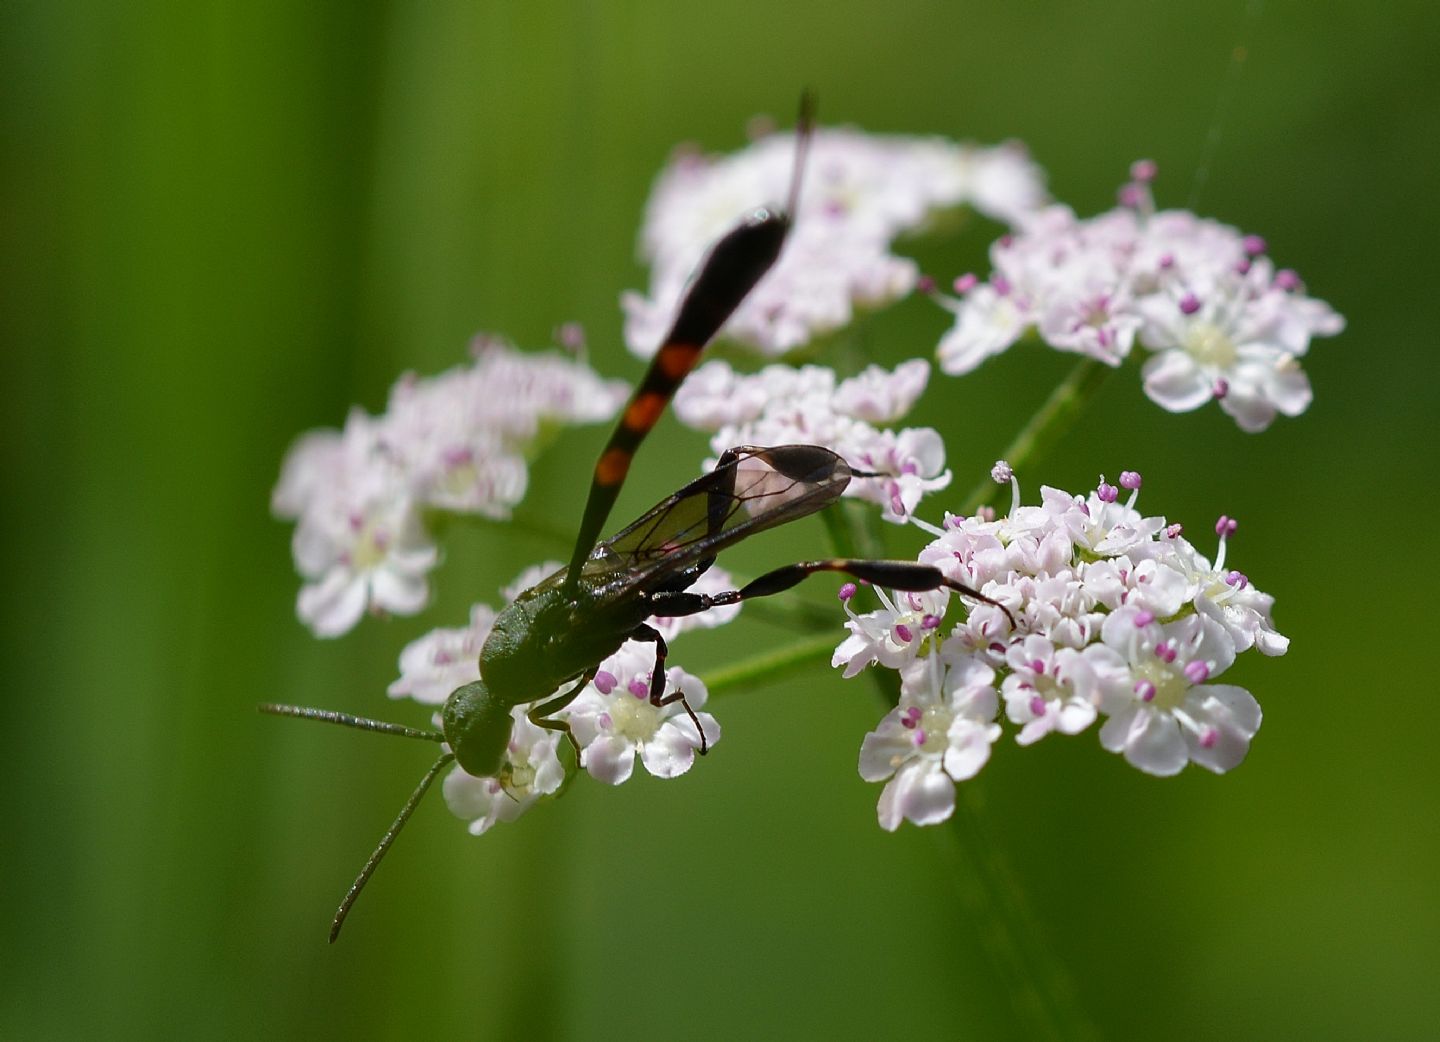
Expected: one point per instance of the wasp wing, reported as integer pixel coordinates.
(750, 490)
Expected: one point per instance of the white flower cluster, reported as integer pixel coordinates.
(810, 405)
(860, 192)
(1098, 614)
(612, 719)
(454, 442)
(1115, 614)
(1221, 322)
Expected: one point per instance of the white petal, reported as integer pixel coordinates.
(968, 672)
(1153, 744)
(1251, 413)
(334, 605)
(583, 716)
(1268, 642)
(878, 396)
(1117, 728)
(1174, 382)
(507, 807)
(313, 547)
(1289, 388)
(610, 759)
(974, 704)
(314, 460)
(467, 796)
(549, 771)
(1206, 640)
(672, 751)
(397, 592)
(1158, 588)
(1244, 710)
(969, 750)
(413, 555)
(1035, 730)
(1235, 717)
(986, 323)
(885, 748)
(1229, 746)
(1075, 716)
(925, 795)
(887, 808)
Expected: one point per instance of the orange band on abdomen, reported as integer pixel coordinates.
(676, 359)
(644, 411)
(613, 466)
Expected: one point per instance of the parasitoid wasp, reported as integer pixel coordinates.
(552, 638)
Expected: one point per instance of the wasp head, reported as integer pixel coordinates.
(477, 725)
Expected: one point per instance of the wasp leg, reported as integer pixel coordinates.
(540, 715)
(675, 604)
(897, 575)
(657, 677)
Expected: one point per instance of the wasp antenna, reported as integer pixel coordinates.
(804, 131)
(385, 841)
(329, 716)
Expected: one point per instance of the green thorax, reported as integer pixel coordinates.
(546, 636)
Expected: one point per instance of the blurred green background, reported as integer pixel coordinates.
(225, 222)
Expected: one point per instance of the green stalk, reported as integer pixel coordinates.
(770, 665)
(1049, 423)
(1041, 991)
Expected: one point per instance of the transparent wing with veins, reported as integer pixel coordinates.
(750, 489)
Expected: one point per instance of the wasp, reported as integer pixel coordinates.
(554, 635)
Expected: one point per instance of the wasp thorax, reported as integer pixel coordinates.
(477, 726)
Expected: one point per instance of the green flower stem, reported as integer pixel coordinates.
(803, 617)
(1047, 426)
(772, 664)
(1041, 992)
(845, 524)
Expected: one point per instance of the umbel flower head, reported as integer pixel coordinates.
(1091, 614)
(1106, 613)
(1219, 321)
(456, 442)
(860, 192)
